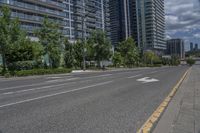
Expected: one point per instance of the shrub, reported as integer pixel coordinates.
(41, 72)
(7, 75)
(190, 61)
(175, 60)
(21, 65)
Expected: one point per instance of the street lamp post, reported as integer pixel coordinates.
(83, 42)
(83, 17)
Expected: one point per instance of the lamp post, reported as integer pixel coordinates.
(83, 19)
(83, 41)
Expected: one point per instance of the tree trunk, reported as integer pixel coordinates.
(99, 64)
(4, 62)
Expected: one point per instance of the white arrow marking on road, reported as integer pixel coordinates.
(147, 80)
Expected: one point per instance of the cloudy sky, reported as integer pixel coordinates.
(183, 20)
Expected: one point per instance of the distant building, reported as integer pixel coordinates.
(196, 47)
(176, 47)
(191, 46)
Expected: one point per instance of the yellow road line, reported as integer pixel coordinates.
(148, 125)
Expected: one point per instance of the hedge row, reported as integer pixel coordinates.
(40, 72)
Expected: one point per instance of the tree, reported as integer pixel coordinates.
(14, 45)
(78, 54)
(151, 58)
(129, 52)
(51, 39)
(20, 50)
(5, 23)
(68, 54)
(175, 60)
(38, 52)
(117, 59)
(100, 45)
(190, 61)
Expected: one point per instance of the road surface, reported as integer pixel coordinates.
(98, 102)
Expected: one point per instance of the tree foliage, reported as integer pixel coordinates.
(100, 46)
(51, 39)
(129, 52)
(15, 46)
(117, 59)
(5, 32)
(190, 61)
(68, 54)
(175, 60)
(78, 54)
(151, 58)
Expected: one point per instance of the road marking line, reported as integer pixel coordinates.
(61, 80)
(135, 76)
(54, 77)
(105, 75)
(8, 93)
(150, 123)
(154, 72)
(55, 94)
(147, 80)
(22, 86)
(39, 88)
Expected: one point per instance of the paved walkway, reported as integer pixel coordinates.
(183, 112)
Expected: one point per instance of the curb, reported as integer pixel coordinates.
(153, 119)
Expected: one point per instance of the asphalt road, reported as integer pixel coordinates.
(101, 102)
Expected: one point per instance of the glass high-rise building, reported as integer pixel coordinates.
(144, 20)
(93, 13)
(67, 13)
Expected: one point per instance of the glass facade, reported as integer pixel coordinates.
(175, 47)
(144, 20)
(66, 13)
(92, 14)
(151, 20)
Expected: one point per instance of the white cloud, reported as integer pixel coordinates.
(182, 16)
(197, 35)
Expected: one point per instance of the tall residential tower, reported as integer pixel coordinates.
(67, 13)
(144, 20)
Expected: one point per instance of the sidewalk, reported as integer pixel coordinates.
(183, 112)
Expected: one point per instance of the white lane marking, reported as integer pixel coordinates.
(8, 93)
(45, 87)
(61, 80)
(147, 80)
(55, 94)
(54, 77)
(134, 76)
(37, 84)
(22, 86)
(153, 72)
(105, 75)
(39, 88)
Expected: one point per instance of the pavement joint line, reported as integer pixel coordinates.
(151, 121)
(55, 94)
